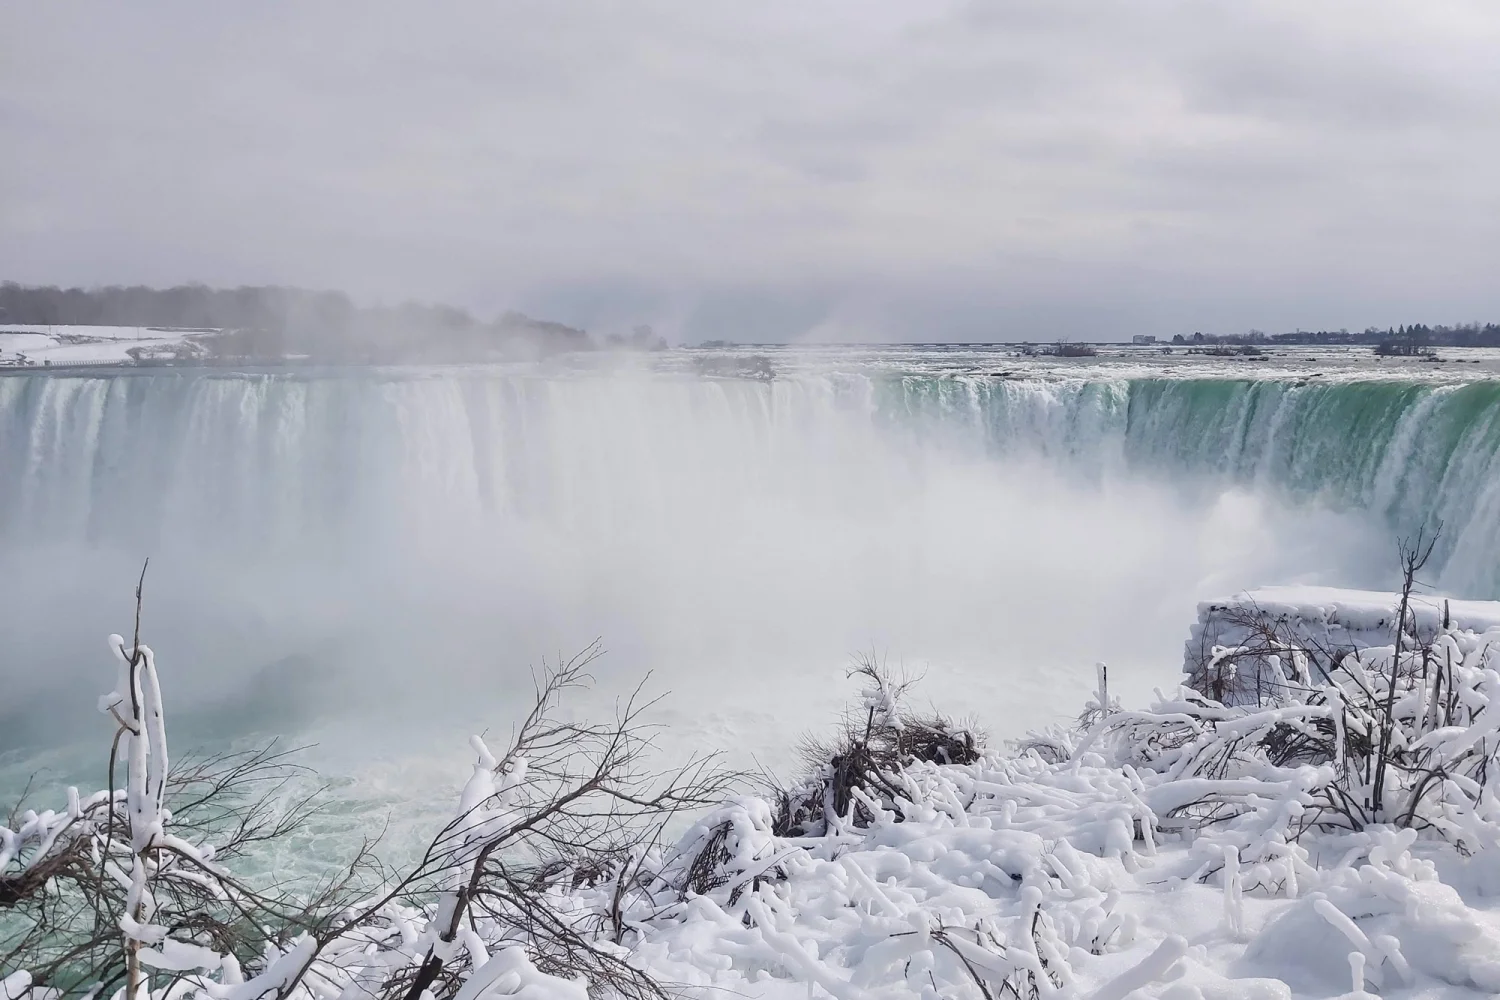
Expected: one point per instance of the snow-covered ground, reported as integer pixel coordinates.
(1191, 851)
(31, 344)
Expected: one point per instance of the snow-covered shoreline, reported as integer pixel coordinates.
(32, 345)
(42, 345)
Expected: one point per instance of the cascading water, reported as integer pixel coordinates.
(1417, 455)
(388, 551)
(264, 461)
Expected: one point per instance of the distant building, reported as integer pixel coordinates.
(1143, 338)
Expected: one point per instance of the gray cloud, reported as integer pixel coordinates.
(859, 170)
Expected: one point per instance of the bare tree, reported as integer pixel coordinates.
(1414, 554)
(141, 872)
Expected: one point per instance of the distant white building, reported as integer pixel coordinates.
(1143, 338)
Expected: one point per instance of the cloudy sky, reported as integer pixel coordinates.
(826, 170)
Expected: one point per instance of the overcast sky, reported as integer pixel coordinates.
(827, 170)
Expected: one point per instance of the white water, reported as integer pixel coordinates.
(376, 559)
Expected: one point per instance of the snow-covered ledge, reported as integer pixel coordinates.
(1322, 622)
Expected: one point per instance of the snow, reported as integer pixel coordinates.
(1318, 620)
(1120, 361)
(1360, 612)
(1179, 852)
(131, 333)
(22, 344)
(14, 986)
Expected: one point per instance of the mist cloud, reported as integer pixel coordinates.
(841, 170)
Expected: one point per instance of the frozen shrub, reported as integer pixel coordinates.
(873, 744)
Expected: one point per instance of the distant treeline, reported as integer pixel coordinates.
(274, 322)
(1416, 335)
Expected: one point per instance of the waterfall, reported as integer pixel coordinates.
(272, 462)
(1415, 454)
(416, 528)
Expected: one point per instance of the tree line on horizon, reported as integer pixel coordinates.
(1415, 335)
(274, 321)
(270, 321)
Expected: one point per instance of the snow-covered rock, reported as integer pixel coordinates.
(1322, 623)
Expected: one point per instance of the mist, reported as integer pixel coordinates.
(388, 557)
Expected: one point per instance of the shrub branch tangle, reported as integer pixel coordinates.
(127, 891)
(1400, 735)
(874, 745)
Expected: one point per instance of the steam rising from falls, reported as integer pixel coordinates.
(378, 557)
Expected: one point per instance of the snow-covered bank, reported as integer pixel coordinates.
(40, 345)
(1325, 623)
(1340, 836)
